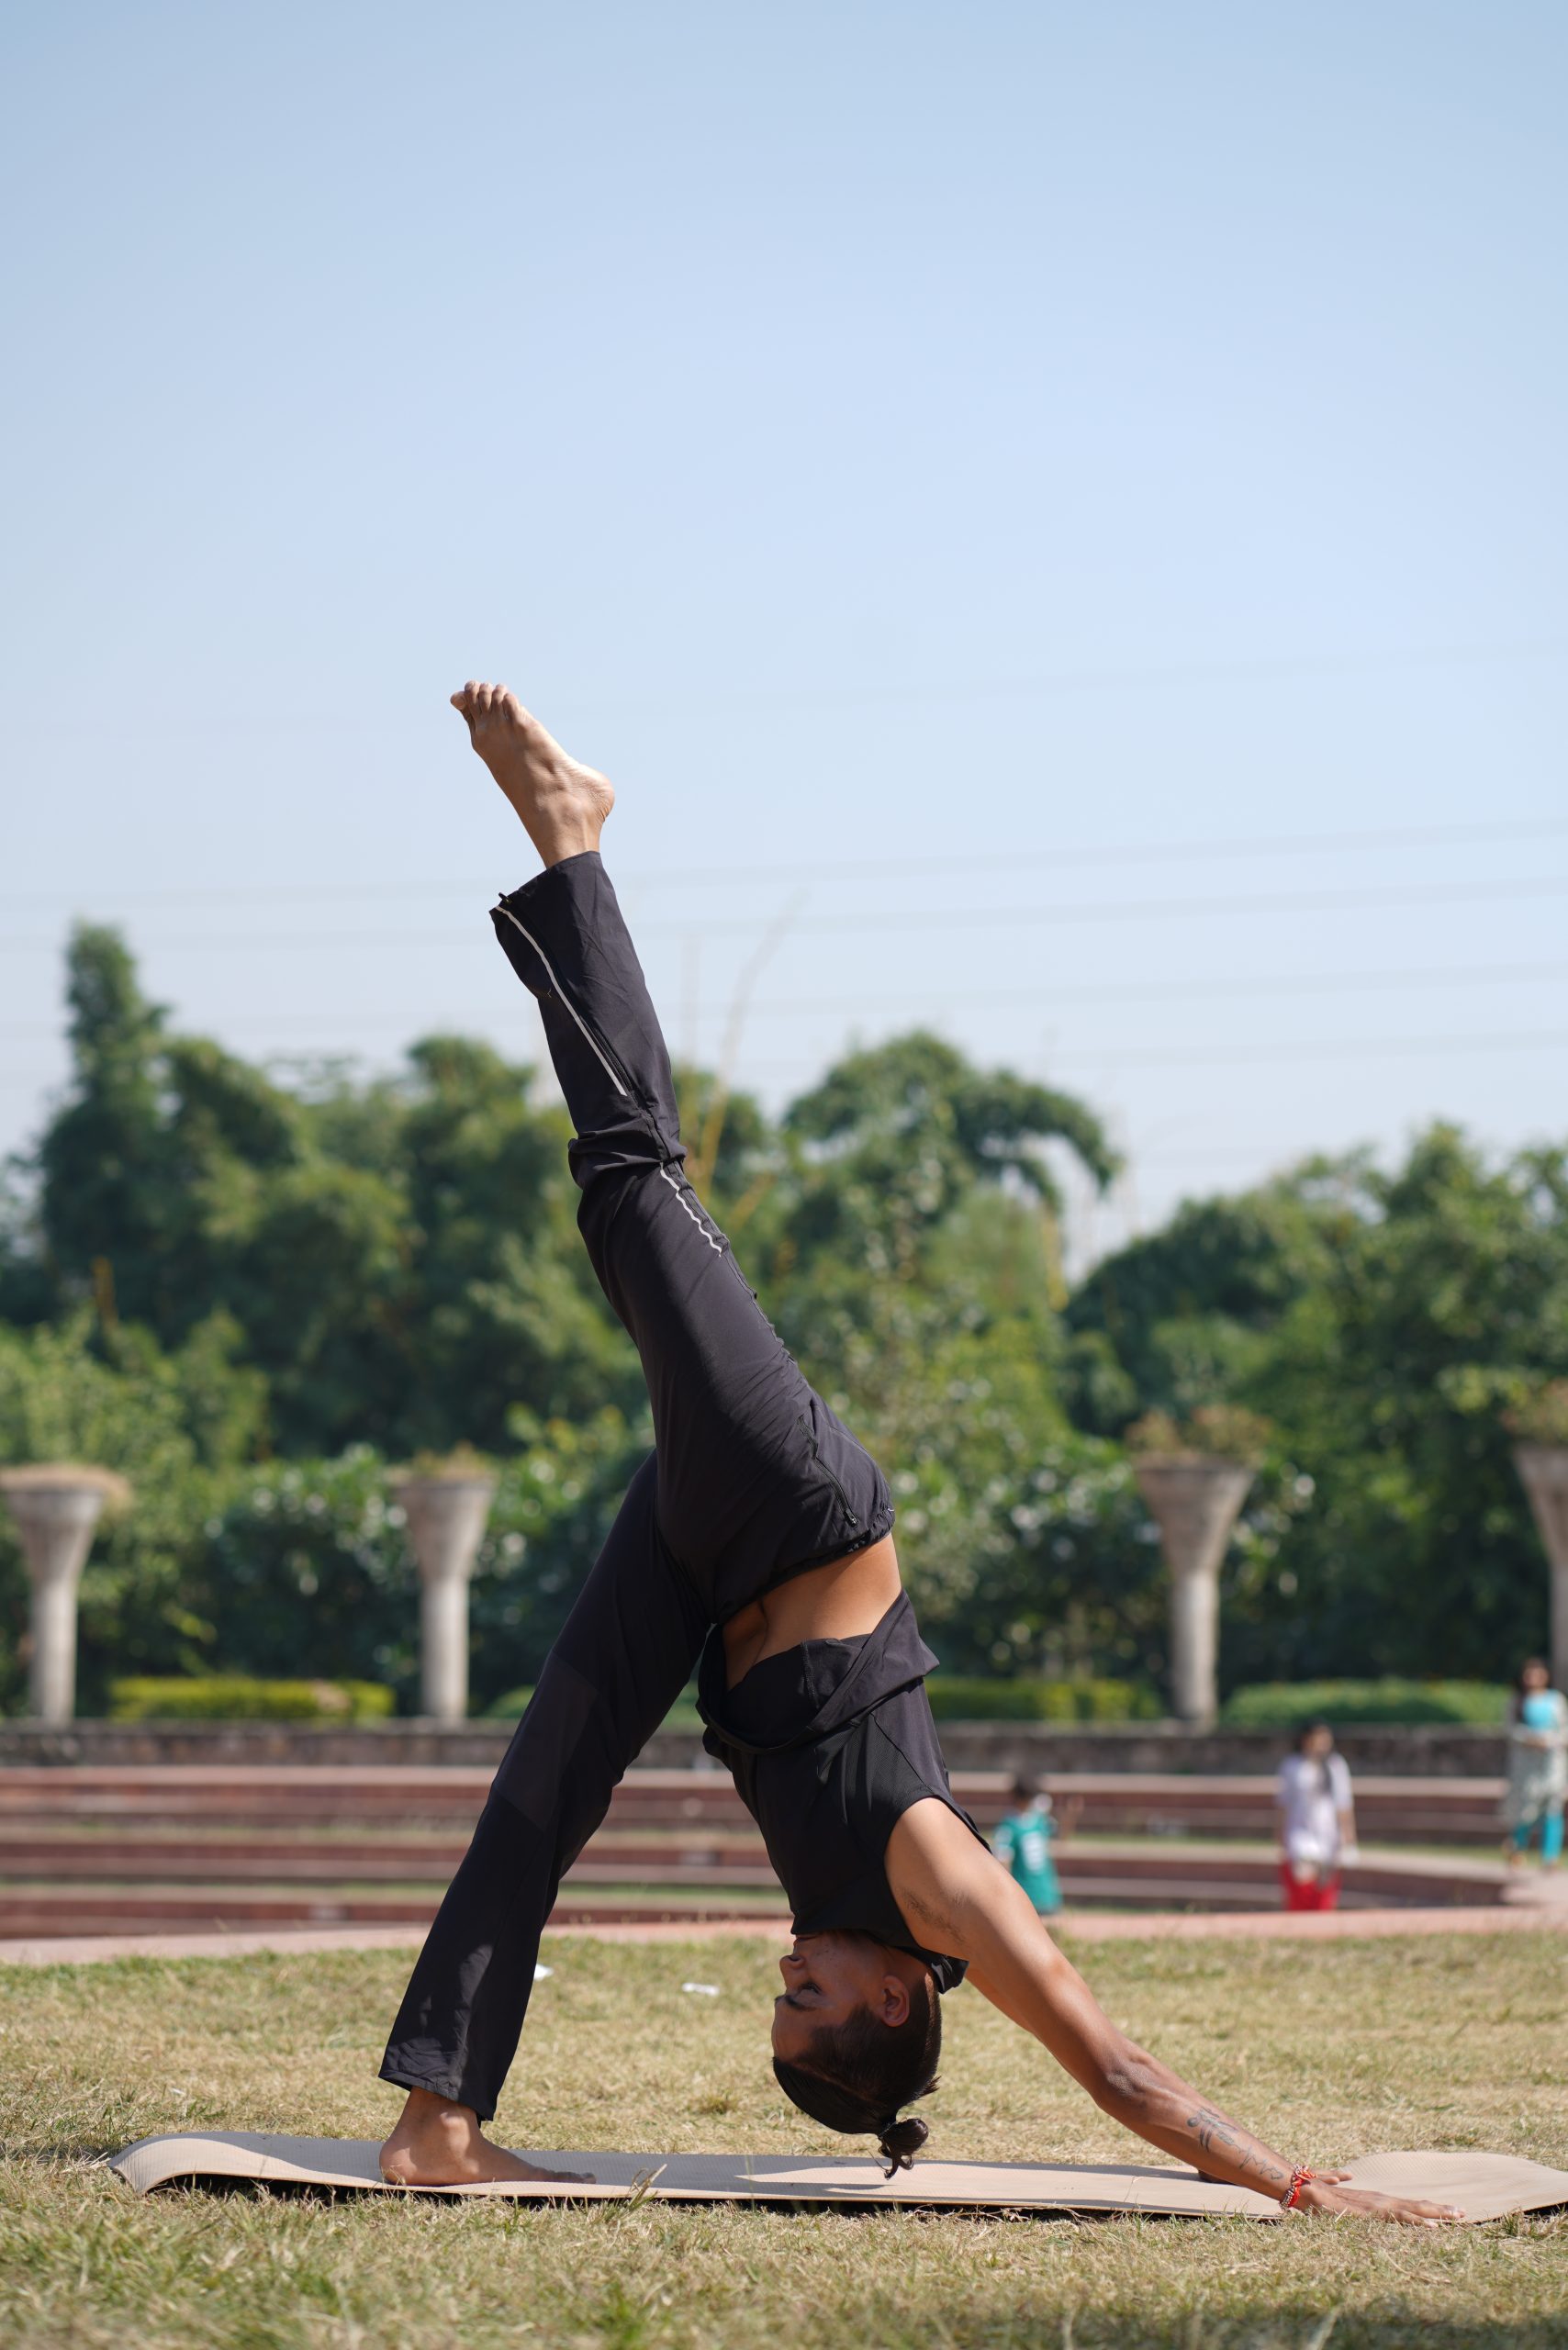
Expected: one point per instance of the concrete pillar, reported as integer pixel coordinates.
(1543, 1469)
(1194, 1502)
(446, 1522)
(55, 1508)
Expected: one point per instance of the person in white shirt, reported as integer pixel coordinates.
(1318, 1819)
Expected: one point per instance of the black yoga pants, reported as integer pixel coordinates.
(751, 1481)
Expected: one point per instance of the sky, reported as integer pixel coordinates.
(1053, 519)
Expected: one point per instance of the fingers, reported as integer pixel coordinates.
(1427, 2215)
(1359, 2203)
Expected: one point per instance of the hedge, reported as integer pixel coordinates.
(241, 1697)
(682, 1715)
(955, 1699)
(1282, 1705)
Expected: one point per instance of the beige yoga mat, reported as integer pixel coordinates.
(1487, 2187)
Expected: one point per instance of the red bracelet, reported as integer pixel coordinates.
(1298, 2180)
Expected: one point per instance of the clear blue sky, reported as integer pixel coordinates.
(951, 466)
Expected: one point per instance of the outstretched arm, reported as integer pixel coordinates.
(957, 1899)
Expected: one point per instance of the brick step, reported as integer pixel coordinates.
(354, 1871)
(733, 1863)
(1209, 1882)
(45, 1913)
(301, 1795)
(339, 1860)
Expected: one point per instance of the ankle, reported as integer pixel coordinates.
(426, 2113)
(573, 836)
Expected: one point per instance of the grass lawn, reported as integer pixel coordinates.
(1331, 2050)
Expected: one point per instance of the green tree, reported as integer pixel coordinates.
(894, 1140)
(398, 1258)
(1381, 1321)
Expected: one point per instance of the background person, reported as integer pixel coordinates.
(1024, 1839)
(1316, 1818)
(1537, 1766)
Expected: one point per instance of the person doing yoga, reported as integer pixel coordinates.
(756, 1544)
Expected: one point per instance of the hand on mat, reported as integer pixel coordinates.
(1325, 2194)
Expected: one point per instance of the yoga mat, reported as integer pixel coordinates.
(1486, 2186)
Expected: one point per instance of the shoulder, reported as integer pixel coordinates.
(1339, 1772)
(944, 1878)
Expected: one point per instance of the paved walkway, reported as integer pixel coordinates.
(1343, 1925)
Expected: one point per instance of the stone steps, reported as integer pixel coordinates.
(100, 1851)
(1446, 1810)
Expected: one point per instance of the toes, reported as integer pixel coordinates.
(484, 704)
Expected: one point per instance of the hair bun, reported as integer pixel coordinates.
(899, 2141)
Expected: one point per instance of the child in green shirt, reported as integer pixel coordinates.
(1023, 1844)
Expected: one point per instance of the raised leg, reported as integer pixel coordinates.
(757, 1480)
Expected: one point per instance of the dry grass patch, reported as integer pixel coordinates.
(1332, 2050)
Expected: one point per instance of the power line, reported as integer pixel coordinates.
(885, 868)
(1142, 909)
(934, 918)
(1281, 1054)
(1047, 994)
(857, 693)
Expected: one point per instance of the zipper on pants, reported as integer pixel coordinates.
(607, 1061)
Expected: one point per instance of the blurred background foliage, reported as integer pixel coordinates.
(253, 1292)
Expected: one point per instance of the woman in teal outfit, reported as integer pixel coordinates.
(1537, 1766)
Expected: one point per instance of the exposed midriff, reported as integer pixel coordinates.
(839, 1601)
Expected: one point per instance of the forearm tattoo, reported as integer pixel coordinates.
(1215, 2134)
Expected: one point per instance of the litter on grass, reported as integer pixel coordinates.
(704, 1990)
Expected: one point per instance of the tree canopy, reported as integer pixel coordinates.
(251, 1290)
(1383, 1321)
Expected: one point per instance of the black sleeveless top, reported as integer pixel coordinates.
(829, 1744)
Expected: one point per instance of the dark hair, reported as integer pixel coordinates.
(1309, 1729)
(1024, 1789)
(859, 2072)
(1530, 1664)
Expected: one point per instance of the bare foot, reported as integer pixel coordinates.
(437, 2144)
(561, 803)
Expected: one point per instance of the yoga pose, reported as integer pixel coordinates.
(756, 1545)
